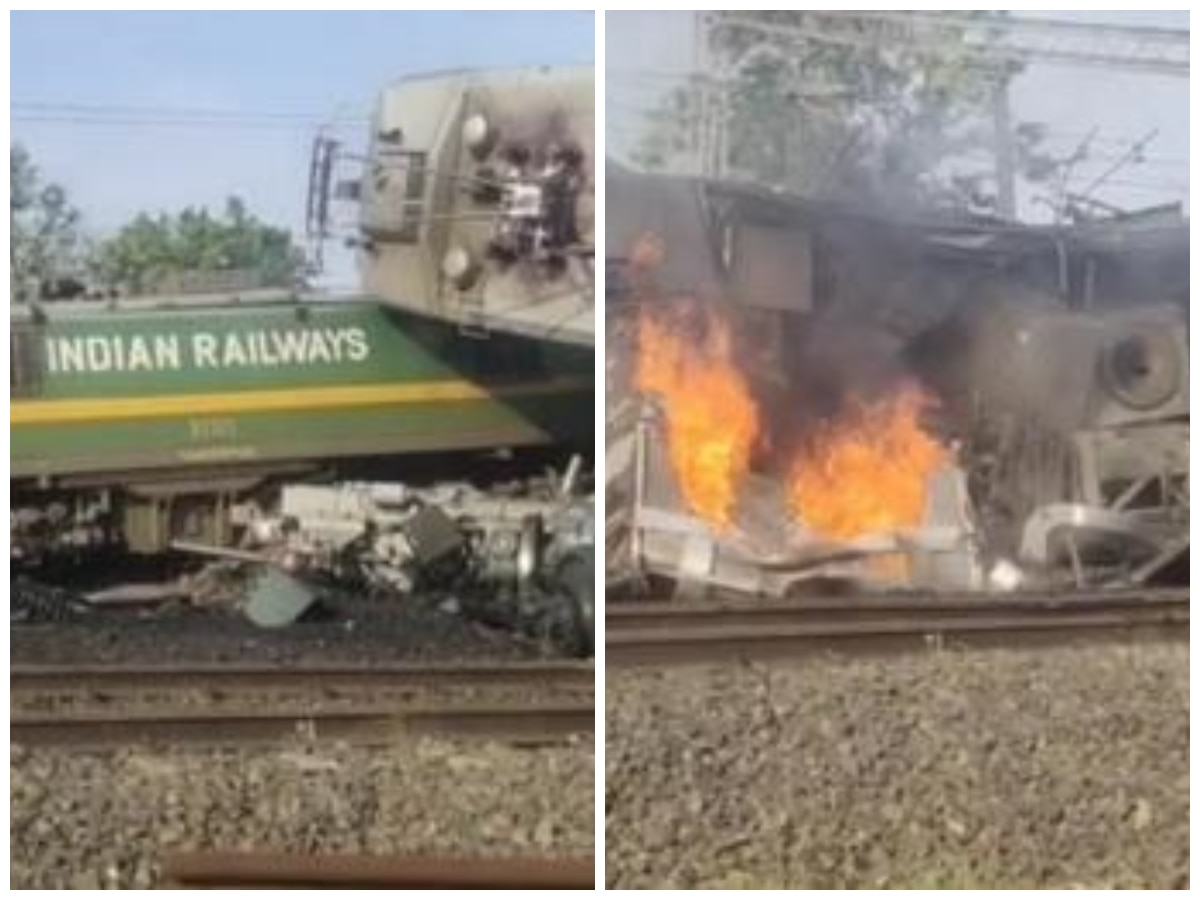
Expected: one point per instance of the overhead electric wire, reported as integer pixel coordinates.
(1122, 142)
(176, 123)
(1164, 187)
(993, 41)
(128, 116)
(614, 75)
(1129, 157)
(107, 109)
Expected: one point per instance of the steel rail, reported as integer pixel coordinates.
(264, 871)
(522, 702)
(522, 724)
(25, 679)
(740, 609)
(659, 633)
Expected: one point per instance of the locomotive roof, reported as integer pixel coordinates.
(483, 74)
(239, 299)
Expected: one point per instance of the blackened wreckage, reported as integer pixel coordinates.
(1058, 357)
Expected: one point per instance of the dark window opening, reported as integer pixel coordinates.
(25, 361)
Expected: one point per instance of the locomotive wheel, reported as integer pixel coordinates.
(577, 576)
(1142, 370)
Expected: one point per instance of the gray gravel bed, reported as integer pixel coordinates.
(101, 820)
(1002, 769)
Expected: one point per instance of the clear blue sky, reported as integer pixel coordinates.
(306, 62)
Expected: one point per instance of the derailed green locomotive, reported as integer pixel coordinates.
(150, 385)
(150, 424)
(290, 427)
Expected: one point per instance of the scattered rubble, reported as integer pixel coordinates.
(32, 603)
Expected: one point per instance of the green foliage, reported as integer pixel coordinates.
(152, 252)
(45, 242)
(48, 254)
(852, 116)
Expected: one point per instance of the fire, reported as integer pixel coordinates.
(868, 470)
(685, 357)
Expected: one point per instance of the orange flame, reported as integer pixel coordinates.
(867, 471)
(685, 357)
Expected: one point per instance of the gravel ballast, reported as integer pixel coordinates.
(101, 820)
(1002, 769)
(359, 633)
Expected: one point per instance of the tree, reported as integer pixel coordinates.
(158, 253)
(851, 117)
(45, 244)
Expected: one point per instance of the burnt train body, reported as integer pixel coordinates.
(1058, 357)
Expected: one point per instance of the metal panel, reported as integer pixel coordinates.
(771, 268)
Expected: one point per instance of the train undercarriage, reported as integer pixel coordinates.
(512, 549)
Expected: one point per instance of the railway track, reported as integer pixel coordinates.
(26, 680)
(659, 632)
(524, 703)
(265, 871)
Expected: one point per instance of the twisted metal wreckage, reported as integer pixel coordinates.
(266, 430)
(1057, 359)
